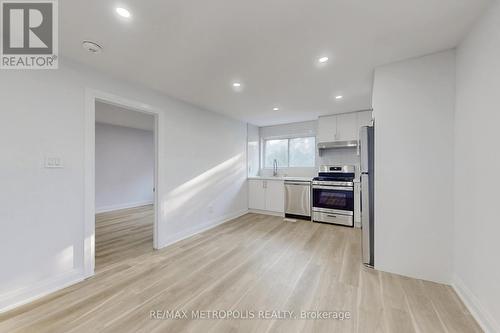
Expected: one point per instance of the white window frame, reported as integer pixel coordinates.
(288, 138)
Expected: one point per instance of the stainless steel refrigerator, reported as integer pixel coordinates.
(367, 194)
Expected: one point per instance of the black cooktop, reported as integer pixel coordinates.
(335, 177)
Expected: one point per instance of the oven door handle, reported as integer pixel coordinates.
(336, 188)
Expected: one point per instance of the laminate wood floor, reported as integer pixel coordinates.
(122, 235)
(250, 265)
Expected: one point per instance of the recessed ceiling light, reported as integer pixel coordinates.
(322, 60)
(123, 12)
(92, 47)
(276, 109)
(339, 97)
(236, 84)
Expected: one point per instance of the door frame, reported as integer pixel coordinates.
(91, 97)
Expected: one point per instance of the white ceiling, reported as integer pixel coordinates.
(194, 50)
(115, 115)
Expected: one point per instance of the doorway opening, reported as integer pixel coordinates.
(124, 184)
(121, 181)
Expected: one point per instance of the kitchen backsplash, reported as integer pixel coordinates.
(291, 172)
(344, 156)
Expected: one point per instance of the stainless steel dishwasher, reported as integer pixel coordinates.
(298, 199)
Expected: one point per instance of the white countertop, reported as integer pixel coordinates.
(282, 178)
(303, 179)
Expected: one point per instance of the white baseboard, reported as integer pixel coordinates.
(198, 229)
(13, 299)
(122, 206)
(484, 318)
(265, 212)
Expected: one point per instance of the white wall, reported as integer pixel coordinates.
(119, 116)
(124, 167)
(41, 210)
(253, 150)
(413, 104)
(477, 162)
(306, 128)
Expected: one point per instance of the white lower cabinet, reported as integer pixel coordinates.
(266, 195)
(256, 194)
(275, 196)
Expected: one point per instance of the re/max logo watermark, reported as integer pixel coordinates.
(29, 36)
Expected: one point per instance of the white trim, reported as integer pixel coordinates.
(266, 212)
(484, 318)
(13, 299)
(89, 188)
(112, 208)
(91, 96)
(200, 228)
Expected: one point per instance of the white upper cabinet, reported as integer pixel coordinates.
(364, 118)
(347, 127)
(327, 129)
(342, 127)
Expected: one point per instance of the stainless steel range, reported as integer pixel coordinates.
(333, 195)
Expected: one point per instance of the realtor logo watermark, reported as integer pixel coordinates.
(29, 34)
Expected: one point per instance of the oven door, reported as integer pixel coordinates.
(333, 199)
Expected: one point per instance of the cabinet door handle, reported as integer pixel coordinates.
(334, 216)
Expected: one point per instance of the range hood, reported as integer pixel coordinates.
(337, 144)
(322, 146)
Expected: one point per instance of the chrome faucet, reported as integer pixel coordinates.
(275, 168)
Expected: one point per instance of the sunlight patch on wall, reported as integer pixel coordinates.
(209, 183)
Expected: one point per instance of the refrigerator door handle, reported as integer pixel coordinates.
(363, 152)
(365, 220)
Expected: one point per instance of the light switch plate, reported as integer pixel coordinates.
(53, 162)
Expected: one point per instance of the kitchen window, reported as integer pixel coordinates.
(290, 153)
